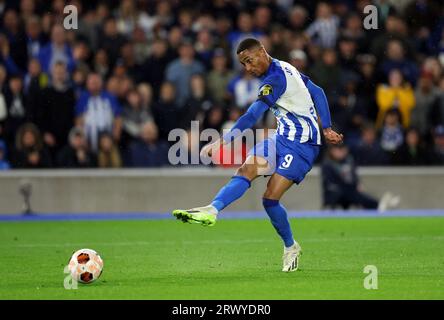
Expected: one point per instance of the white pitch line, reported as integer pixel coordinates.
(225, 241)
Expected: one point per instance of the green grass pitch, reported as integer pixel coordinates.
(236, 259)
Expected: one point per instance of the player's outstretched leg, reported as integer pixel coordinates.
(232, 191)
(276, 187)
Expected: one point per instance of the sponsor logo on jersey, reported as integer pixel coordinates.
(265, 90)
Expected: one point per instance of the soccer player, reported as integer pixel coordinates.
(290, 153)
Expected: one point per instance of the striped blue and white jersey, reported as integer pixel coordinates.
(283, 89)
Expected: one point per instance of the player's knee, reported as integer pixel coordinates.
(247, 170)
(271, 194)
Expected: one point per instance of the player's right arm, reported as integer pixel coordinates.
(321, 105)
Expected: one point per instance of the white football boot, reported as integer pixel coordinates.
(290, 258)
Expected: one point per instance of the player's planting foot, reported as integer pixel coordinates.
(291, 257)
(205, 216)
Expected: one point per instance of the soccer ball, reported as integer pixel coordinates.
(85, 265)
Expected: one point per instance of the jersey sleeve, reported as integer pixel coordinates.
(320, 101)
(272, 89)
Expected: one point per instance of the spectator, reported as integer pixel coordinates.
(6, 58)
(57, 50)
(298, 58)
(111, 40)
(88, 25)
(412, 152)
(35, 38)
(219, 77)
(29, 149)
(204, 47)
(395, 29)
(437, 153)
(243, 89)
(214, 118)
(165, 111)
(124, 85)
(185, 20)
(437, 112)
(3, 105)
(198, 103)
(222, 31)
(79, 80)
(108, 155)
(141, 45)
(154, 67)
(55, 111)
(324, 30)
(16, 109)
(164, 14)
(349, 112)
(146, 96)
(101, 63)
(27, 9)
(392, 135)
(341, 186)
(4, 163)
(98, 111)
(368, 151)
(128, 59)
(396, 60)
(16, 39)
(133, 117)
(353, 30)
(326, 73)
(262, 19)
(81, 54)
(425, 96)
(279, 46)
(76, 154)
(367, 84)
(179, 72)
(347, 54)
(149, 151)
(396, 95)
(35, 80)
(297, 18)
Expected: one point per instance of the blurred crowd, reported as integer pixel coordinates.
(108, 93)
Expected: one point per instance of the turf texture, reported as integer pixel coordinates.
(235, 259)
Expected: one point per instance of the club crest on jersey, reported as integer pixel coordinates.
(265, 90)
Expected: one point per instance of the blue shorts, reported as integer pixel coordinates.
(289, 159)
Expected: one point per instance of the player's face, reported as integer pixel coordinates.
(255, 61)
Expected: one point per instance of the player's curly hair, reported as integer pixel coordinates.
(248, 43)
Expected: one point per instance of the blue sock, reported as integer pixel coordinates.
(232, 191)
(279, 220)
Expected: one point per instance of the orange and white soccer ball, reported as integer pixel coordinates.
(85, 265)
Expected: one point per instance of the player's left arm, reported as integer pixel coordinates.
(321, 104)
